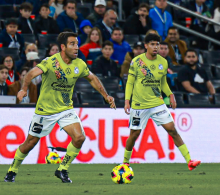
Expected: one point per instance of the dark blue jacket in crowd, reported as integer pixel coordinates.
(36, 5)
(64, 21)
(5, 39)
(120, 51)
(82, 37)
(11, 2)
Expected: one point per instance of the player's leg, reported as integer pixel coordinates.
(20, 155)
(130, 144)
(171, 130)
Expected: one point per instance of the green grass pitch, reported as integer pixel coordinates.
(149, 179)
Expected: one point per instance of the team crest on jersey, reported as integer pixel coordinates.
(153, 67)
(160, 67)
(76, 70)
(68, 71)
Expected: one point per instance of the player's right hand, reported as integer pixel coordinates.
(21, 94)
(127, 107)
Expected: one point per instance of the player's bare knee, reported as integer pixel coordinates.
(80, 139)
(173, 133)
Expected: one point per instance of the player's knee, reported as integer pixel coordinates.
(80, 139)
(31, 143)
(173, 133)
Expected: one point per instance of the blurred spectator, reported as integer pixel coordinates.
(29, 48)
(98, 13)
(10, 2)
(177, 47)
(58, 5)
(25, 23)
(139, 21)
(199, 7)
(9, 36)
(16, 87)
(137, 50)
(3, 77)
(164, 51)
(152, 31)
(36, 5)
(70, 18)
(103, 65)
(193, 77)
(216, 18)
(161, 19)
(52, 9)
(107, 24)
(85, 28)
(92, 48)
(121, 47)
(46, 23)
(12, 75)
(110, 5)
(52, 49)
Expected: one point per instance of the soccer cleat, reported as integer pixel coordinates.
(193, 164)
(63, 175)
(10, 176)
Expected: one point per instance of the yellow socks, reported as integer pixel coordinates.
(18, 159)
(127, 156)
(71, 154)
(185, 152)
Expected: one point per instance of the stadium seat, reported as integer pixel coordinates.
(91, 98)
(131, 39)
(198, 99)
(119, 97)
(42, 53)
(210, 57)
(85, 11)
(7, 11)
(216, 71)
(82, 85)
(45, 40)
(14, 52)
(75, 99)
(216, 84)
(208, 70)
(180, 98)
(110, 83)
(142, 37)
(29, 38)
(217, 99)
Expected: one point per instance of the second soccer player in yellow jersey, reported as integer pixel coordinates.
(146, 80)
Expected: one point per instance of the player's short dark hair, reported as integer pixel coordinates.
(11, 21)
(145, 5)
(69, 1)
(45, 5)
(164, 43)
(117, 28)
(107, 43)
(3, 67)
(63, 37)
(26, 6)
(25, 68)
(151, 37)
(191, 50)
(173, 28)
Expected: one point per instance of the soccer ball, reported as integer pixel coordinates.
(53, 158)
(122, 174)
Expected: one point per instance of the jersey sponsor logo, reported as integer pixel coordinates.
(137, 104)
(160, 66)
(67, 115)
(153, 67)
(160, 72)
(161, 112)
(61, 87)
(37, 128)
(76, 70)
(68, 71)
(40, 109)
(136, 121)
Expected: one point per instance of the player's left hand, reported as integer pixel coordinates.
(172, 101)
(111, 101)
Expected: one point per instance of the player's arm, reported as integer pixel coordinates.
(34, 72)
(128, 92)
(166, 89)
(97, 85)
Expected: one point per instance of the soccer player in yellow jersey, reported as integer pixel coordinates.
(146, 79)
(59, 75)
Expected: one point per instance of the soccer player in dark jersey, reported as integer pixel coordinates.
(59, 75)
(146, 79)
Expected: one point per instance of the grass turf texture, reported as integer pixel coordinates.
(95, 179)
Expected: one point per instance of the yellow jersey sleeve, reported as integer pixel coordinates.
(44, 65)
(130, 81)
(85, 72)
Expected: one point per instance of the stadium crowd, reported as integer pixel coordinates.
(28, 32)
